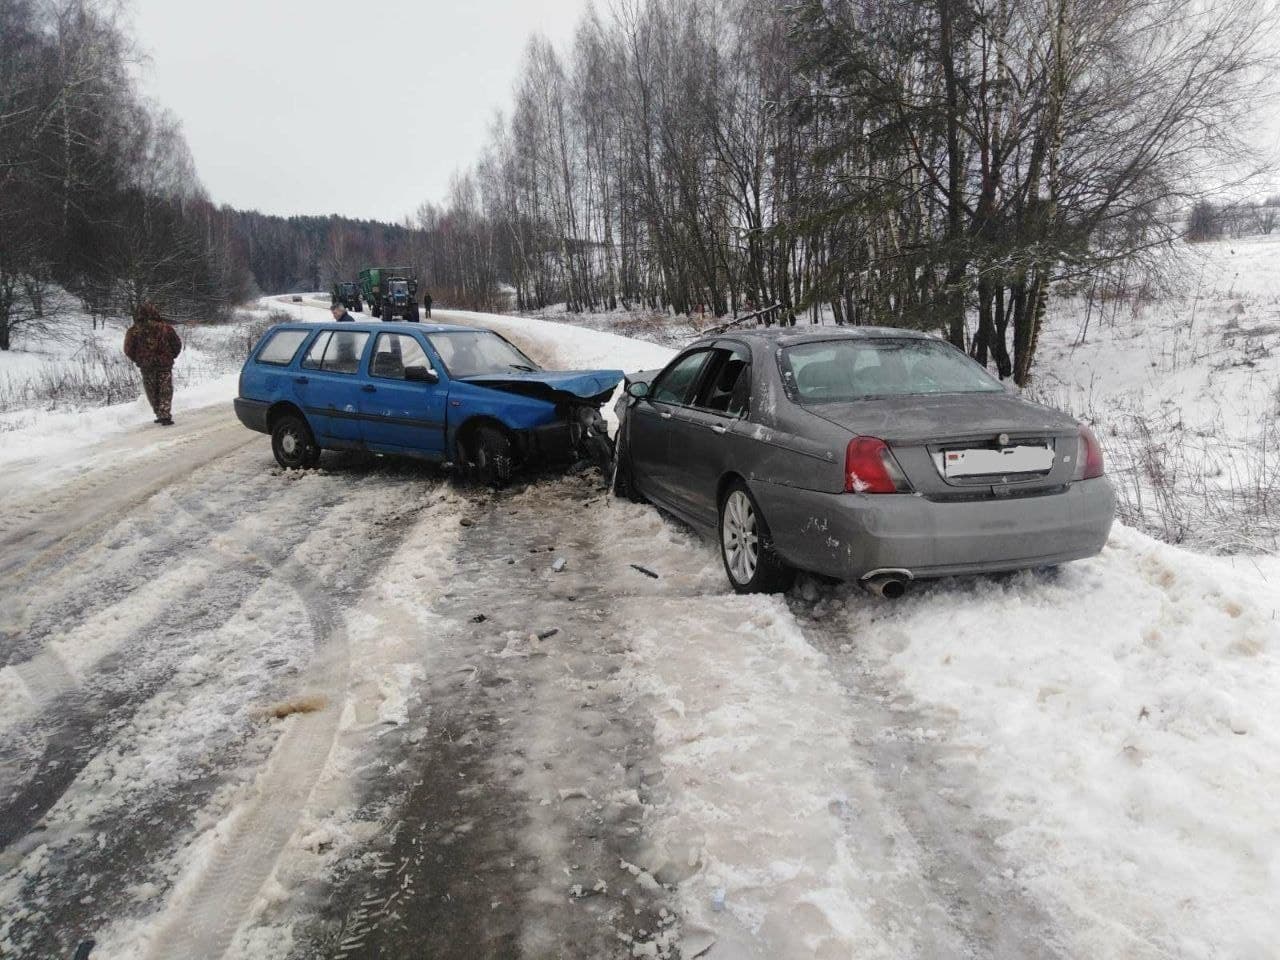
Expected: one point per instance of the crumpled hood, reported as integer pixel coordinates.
(585, 384)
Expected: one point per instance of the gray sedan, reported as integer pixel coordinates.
(868, 454)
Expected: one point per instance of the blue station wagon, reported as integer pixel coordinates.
(438, 392)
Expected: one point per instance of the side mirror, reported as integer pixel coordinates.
(639, 389)
(421, 374)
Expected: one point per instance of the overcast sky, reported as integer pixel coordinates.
(359, 107)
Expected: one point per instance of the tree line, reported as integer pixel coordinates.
(931, 163)
(99, 196)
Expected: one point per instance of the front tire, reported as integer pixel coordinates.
(746, 548)
(492, 456)
(293, 444)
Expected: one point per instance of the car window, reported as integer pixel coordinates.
(393, 353)
(282, 346)
(312, 360)
(336, 351)
(468, 353)
(842, 370)
(728, 379)
(674, 384)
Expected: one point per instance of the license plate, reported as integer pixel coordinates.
(972, 463)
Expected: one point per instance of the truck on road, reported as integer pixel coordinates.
(347, 293)
(392, 292)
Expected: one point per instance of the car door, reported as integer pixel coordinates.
(651, 419)
(330, 386)
(403, 398)
(703, 430)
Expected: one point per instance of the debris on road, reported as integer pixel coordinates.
(645, 570)
(287, 708)
(547, 634)
(559, 565)
(479, 618)
(467, 522)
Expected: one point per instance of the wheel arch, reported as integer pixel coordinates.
(465, 434)
(726, 481)
(282, 408)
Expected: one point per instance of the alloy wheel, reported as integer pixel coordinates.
(741, 537)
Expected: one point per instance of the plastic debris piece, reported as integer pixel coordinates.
(467, 522)
(548, 634)
(559, 564)
(479, 618)
(645, 570)
(82, 951)
(717, 899)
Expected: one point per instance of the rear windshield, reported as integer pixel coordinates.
(839, 370)
(467, 353)
(282, 346)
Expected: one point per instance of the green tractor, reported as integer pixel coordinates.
(347, 293)
(392, 292)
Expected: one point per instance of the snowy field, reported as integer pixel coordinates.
(1186, 391)
(357, 712)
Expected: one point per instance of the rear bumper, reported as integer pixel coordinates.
(253, 414)
(851, 535)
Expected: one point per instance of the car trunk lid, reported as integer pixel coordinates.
(967, 446)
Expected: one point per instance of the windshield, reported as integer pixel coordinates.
(399, 286)
(467, 353)
(839, 370)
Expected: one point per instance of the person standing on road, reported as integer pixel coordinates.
(153, 345)
(340, 313)
(426, 304)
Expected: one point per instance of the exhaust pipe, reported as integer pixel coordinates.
(888, 584)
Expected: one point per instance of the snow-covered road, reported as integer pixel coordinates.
(358, 712)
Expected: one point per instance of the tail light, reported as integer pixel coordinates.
(869, 467)
(1088, 455)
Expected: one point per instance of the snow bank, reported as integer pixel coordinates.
(1123, 722)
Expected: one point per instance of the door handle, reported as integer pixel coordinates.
(369, 388)
(301, 380)
(718, 428)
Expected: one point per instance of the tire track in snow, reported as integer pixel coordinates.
(526, 794)
(212, 903)
(36, 535)
(212, 907)
(930, 786)
(295, 519)
(53, 745)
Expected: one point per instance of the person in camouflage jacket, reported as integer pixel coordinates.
(153, 345)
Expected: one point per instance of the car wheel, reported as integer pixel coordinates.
(624, 484)
(746, 547)
(293, 445)
(492, 456)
